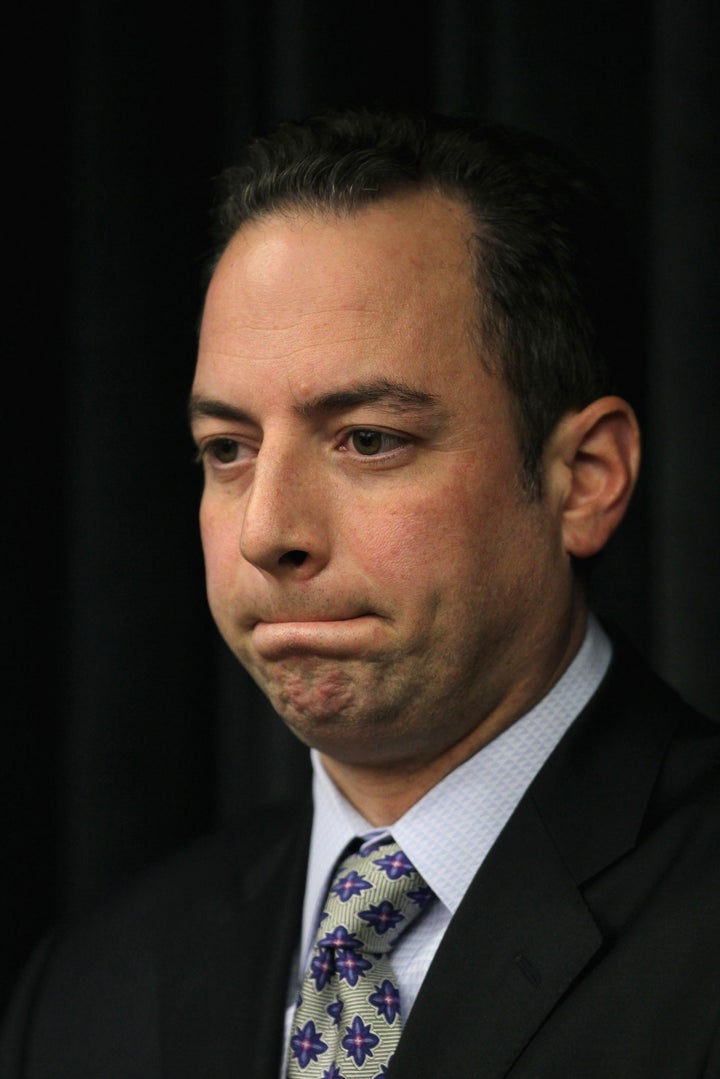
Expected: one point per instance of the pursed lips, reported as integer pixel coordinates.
(323, 634)
(299, 617)
(310, 618)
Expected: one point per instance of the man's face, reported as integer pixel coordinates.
(371, 559)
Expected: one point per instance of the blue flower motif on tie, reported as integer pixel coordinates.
(322, 968)
(386, 999)
(349, 885)
(333, 1072)
(383, 1070)
(307, 1045)
(340, 938)
(335, 1011)
(382, 917)
(395, 865)
(421, 897)
(351, 966)
(359, 1041)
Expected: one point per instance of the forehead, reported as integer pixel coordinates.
(318, 296)
(410, 243)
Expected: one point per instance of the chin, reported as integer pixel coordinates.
(307, 694)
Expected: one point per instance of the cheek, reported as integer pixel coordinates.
(220, 547)
(466, 539)
(413, 540)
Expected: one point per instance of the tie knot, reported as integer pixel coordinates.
(374, 897)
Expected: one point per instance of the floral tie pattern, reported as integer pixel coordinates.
(347, 1023)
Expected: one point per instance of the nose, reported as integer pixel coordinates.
(284, 527)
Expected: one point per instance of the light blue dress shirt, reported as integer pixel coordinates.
(448, 833)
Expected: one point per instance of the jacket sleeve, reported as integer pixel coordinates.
(18, 1019)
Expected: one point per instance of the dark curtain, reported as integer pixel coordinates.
(129, 730)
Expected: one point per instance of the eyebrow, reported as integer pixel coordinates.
(199, 407)
(395, 395)
(398, 396)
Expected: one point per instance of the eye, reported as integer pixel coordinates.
(370, 443)
(221, 451)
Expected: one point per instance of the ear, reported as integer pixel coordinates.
(597, 453)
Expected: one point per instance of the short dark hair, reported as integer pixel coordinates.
(544, 272)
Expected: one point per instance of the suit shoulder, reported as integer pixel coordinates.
(98, 976)
(218, 869)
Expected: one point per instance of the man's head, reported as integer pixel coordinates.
(548, 314)
(373, 557)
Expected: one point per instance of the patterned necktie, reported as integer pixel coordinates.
(347, 1022)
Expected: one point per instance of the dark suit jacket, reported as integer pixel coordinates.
(588, 945)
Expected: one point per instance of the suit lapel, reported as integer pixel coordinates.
(224, 984)
(519, 939)
(524, 933)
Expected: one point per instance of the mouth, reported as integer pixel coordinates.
(333, 637)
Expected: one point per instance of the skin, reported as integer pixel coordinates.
(371, 556)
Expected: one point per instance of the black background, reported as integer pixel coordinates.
(128, 729)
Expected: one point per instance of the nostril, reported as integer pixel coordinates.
(293, 558)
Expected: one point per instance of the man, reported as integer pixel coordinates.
(411, 448)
